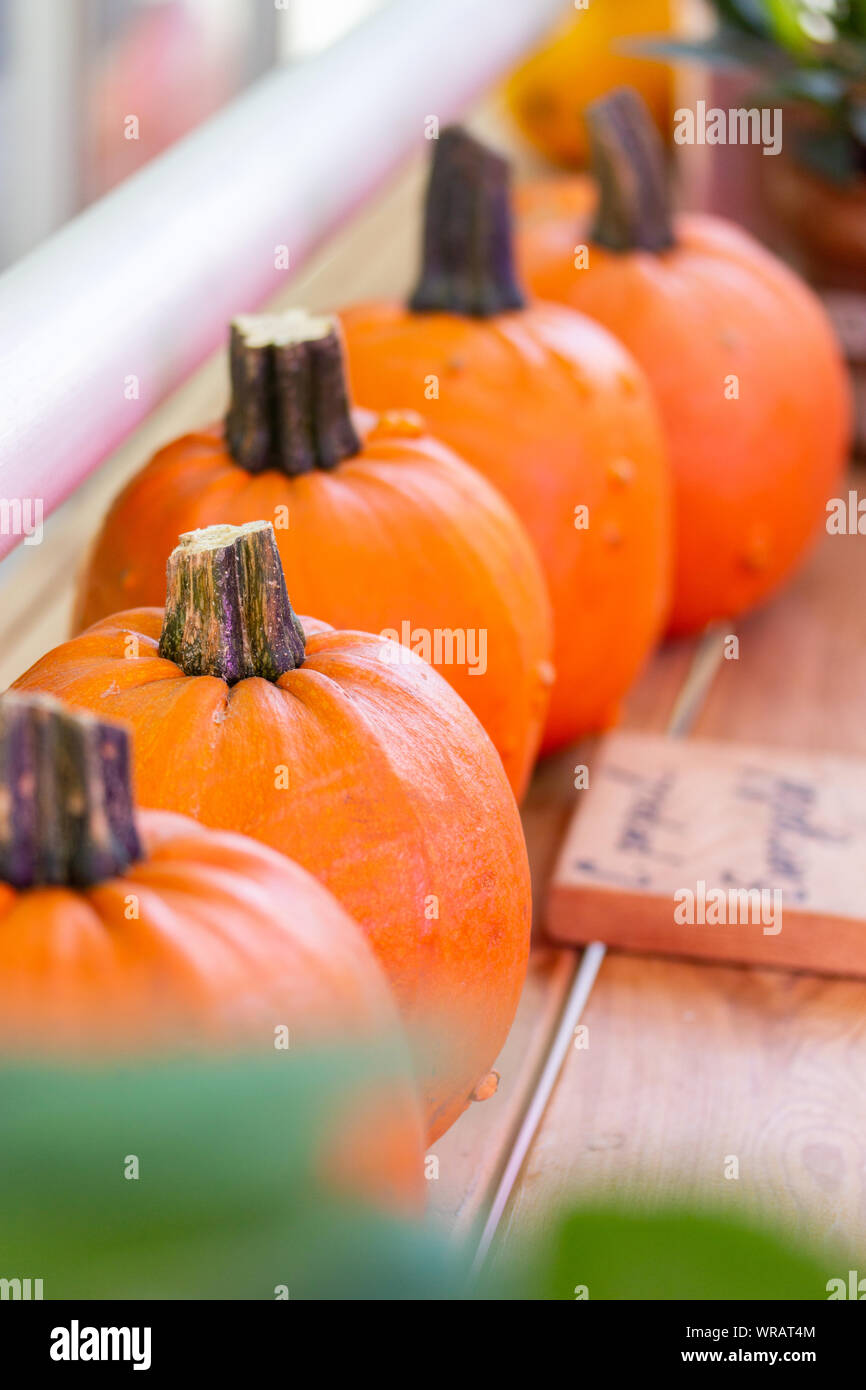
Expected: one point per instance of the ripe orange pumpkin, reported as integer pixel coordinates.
(583, 59)
(348, 753)
(742, 357)
(548, 407)
(125, 931)
(380, 527)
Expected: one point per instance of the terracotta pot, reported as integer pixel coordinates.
(826, 223)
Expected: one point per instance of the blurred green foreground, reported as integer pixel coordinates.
(227, 1204)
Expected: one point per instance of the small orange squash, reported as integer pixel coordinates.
(547, 406)
(740, 353)
(124, 932)
(348, 753)
(585, 56)
(380, 527)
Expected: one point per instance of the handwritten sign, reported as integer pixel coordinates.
(718, 849)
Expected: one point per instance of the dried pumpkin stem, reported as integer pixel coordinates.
(66, 812)
(227, 612)
(290, 407)
(468, 257)
(628, 160)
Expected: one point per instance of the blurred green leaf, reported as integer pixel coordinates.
(857, 117)
(228, 1203)
(825, 86)
(722, 50)
(785, 25)
(677, 1253)
(769, 38)
(831, 153)
(749, 16)
(856, 23)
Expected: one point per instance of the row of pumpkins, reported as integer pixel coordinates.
(587, 483)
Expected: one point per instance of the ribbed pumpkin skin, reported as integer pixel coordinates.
(229, 942)
(396, 801)
(554, 413)
(404, 531)
(752, 475)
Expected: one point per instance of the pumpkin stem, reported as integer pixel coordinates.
(468, 257)
(628, 159)
(290, 407)
(66, 813)
(227, 612)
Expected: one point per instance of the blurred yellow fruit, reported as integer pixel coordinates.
(580, 62)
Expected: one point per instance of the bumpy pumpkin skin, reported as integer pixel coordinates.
(396, 801)
(751, 475)
(403, 531)
(231, 941)
(553, 412)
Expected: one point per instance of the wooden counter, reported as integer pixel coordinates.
(687, 1063)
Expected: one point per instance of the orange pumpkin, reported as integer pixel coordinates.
(348, 753)
(584, 57)
(550, 210)
(123, 932)
(380, 528)
(548, 407)
(741, 355)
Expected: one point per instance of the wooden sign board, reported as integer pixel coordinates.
(710, 849)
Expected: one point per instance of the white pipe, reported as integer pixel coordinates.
(45, 61)
(102, 321)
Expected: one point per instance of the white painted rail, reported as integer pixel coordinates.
(103, 320)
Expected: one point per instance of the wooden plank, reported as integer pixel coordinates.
(473, 1154)
(800, 679)
(719, 850)
(690, 1066)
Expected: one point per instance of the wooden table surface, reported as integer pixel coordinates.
(690, 1063)
(687, 1063)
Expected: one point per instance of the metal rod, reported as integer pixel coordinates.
(693, 692)
(103, 320)
(702, 672)
(582, 984)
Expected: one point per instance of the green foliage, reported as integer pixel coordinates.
(676, 1253)
(227, 1204)
(804, 55)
